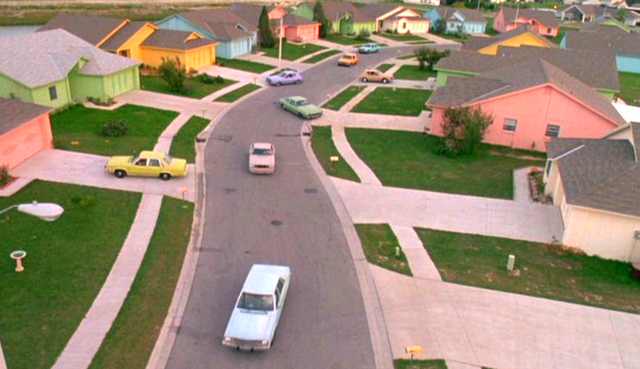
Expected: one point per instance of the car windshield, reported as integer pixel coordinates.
(251, 301)
(262, 151)
(301, 102)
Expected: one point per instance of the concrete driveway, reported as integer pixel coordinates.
(88, 170)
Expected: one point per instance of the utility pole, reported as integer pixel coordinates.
(280, 43)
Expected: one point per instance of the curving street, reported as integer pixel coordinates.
(285, 219)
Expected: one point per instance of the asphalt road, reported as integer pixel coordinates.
(283, 219)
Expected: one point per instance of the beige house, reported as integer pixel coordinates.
(405, 20)
(596, 184)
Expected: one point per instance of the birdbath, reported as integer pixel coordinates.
(18, 255)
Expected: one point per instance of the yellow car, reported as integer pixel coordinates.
(147, 164)
(348, 59)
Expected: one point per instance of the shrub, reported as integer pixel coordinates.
(264, 30)
(463, 130)
(206, 79)
(173, 73)
(218, 79)
(5, 177)
(363, 35)
(84, 201)
(116, 128)
(428, 57)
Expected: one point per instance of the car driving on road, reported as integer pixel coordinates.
(147, 164)
(348, 59)
(285, 77)
(299, 106)
(369, 48)
(262, 158)
(374, 75)
(254, 319)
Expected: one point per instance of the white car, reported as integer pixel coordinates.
(262, 158)
(254, 319)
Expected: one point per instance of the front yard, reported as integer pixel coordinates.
(293, 51)
(234, 95)
(183, 144)
(346, 40)
(379, 244)
(394, 101)
(67, 262)
(80, 129)
(419, 364)
(322, 56)
(343, 97)
(244, 65)
(630, 87)
(544, 270)
(414, 73)
(194, 87)
(401, 37)
(384, 67)
(407, 159)
(324, 148)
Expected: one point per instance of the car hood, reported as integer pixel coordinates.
(261, 160)
(119, 160)
(252, 326)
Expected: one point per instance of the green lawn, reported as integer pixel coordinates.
(346, 40)
(80, 129)
(379, 244)
(401, 37)
(419, 364)
(414, 73)
(193, 87)
(183, 144)
(343, 97)
(238, 93)
(394, 101)
(67, 262)
(245, 65)
(322, 56)
(545, 270)
(293, 51)
(630, 87)
(384, 67)
(323, 147)
(407, 159)
(131, 338)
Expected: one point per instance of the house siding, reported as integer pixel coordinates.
(192, 59)
(627, 63)
(10, 88)
(133, 44)
(40, 95)
(84, 87)
(24, 141)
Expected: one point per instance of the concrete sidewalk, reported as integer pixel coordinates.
(365, 174)
(374, 121)
(421, 264)
(206, 109)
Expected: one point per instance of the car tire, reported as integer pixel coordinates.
(385, 81)
(165, 176)
(120, 173)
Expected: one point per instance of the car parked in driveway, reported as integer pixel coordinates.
(374, 75)
(299, 106)
(258, 309)
(348, 59)
(262, 158)
(369, 48)
(285, 77)
(147, 164)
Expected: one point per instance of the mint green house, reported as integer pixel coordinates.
(349, 18)
(55, 68)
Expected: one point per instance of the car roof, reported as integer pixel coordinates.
(152, 154)
(349, 54)
(372, 70)
(263, 279)
(296, 98)
(262, 145)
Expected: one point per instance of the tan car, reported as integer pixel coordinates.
(348, 59)
(374, 75)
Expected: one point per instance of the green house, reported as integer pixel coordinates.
(55, 68)
(349, 18)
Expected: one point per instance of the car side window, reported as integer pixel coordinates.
(154, 163)
(141, 162)
(279, 288)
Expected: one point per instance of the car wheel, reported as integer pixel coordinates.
(385, 81)
(364, 79)
(165, 176)
(301, 115)
(120, 173)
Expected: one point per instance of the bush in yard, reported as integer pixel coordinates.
(264, 30)
(173, 73)
(5, 177)
(440, 27)
(116, 128)
(218, 79)
(463, 130)
(363, 35)
(320, 17)
(428, 57)
(206, 79)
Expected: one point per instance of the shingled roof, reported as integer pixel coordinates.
(335, 10)
(15, 112)
(469, 15)
(604, 39)
(545, 17)
(476, 43)
(91, 28)
(223, 23)
(601, 174)
(177, 40)
(517, 77)
(123, 35)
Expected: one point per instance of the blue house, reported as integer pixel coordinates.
(457, 20)
(235, 36)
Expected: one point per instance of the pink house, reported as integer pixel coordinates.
(531, 103)
(542, 22)
(24, 131)
(298, 29)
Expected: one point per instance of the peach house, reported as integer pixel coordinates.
(296, 28)
(542, 22)
(24, 131)
(531, 103)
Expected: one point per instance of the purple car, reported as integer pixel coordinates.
(285, 77)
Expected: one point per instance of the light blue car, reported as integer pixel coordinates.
(253, 322)
(285, 77)
(369, 48)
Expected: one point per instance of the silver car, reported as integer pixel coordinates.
(262, 158)
(255, 317)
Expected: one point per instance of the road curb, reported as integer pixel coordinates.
(379, 335)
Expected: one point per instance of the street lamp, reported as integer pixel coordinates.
(46, 211)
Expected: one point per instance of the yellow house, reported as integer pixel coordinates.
(141, 41)
(404, 20)
(515, 38)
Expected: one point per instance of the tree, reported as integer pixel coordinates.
(428, 57)
(463, 129)
(320, 17)
(172, 72)
(264, 30)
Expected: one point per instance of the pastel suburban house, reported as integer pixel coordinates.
(55, 68)
(586, 12)
(234, 36)
(25, 130)
(520, 36)
(596, 185)
(530, 103)
(543, 22)
(423, 2)
(457, 20)
(626, 45)
(351, 18)
(141, 41)
(296, 28)
(596, 70)
(405, 20)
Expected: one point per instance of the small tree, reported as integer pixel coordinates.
(264, 30)
(363, 35)
(463, 130)
(172, 72)
(428, 57)
(320, 17)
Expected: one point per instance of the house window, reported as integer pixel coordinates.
(53, 93)
(548, 30)
(510, 125)
(553, 130)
